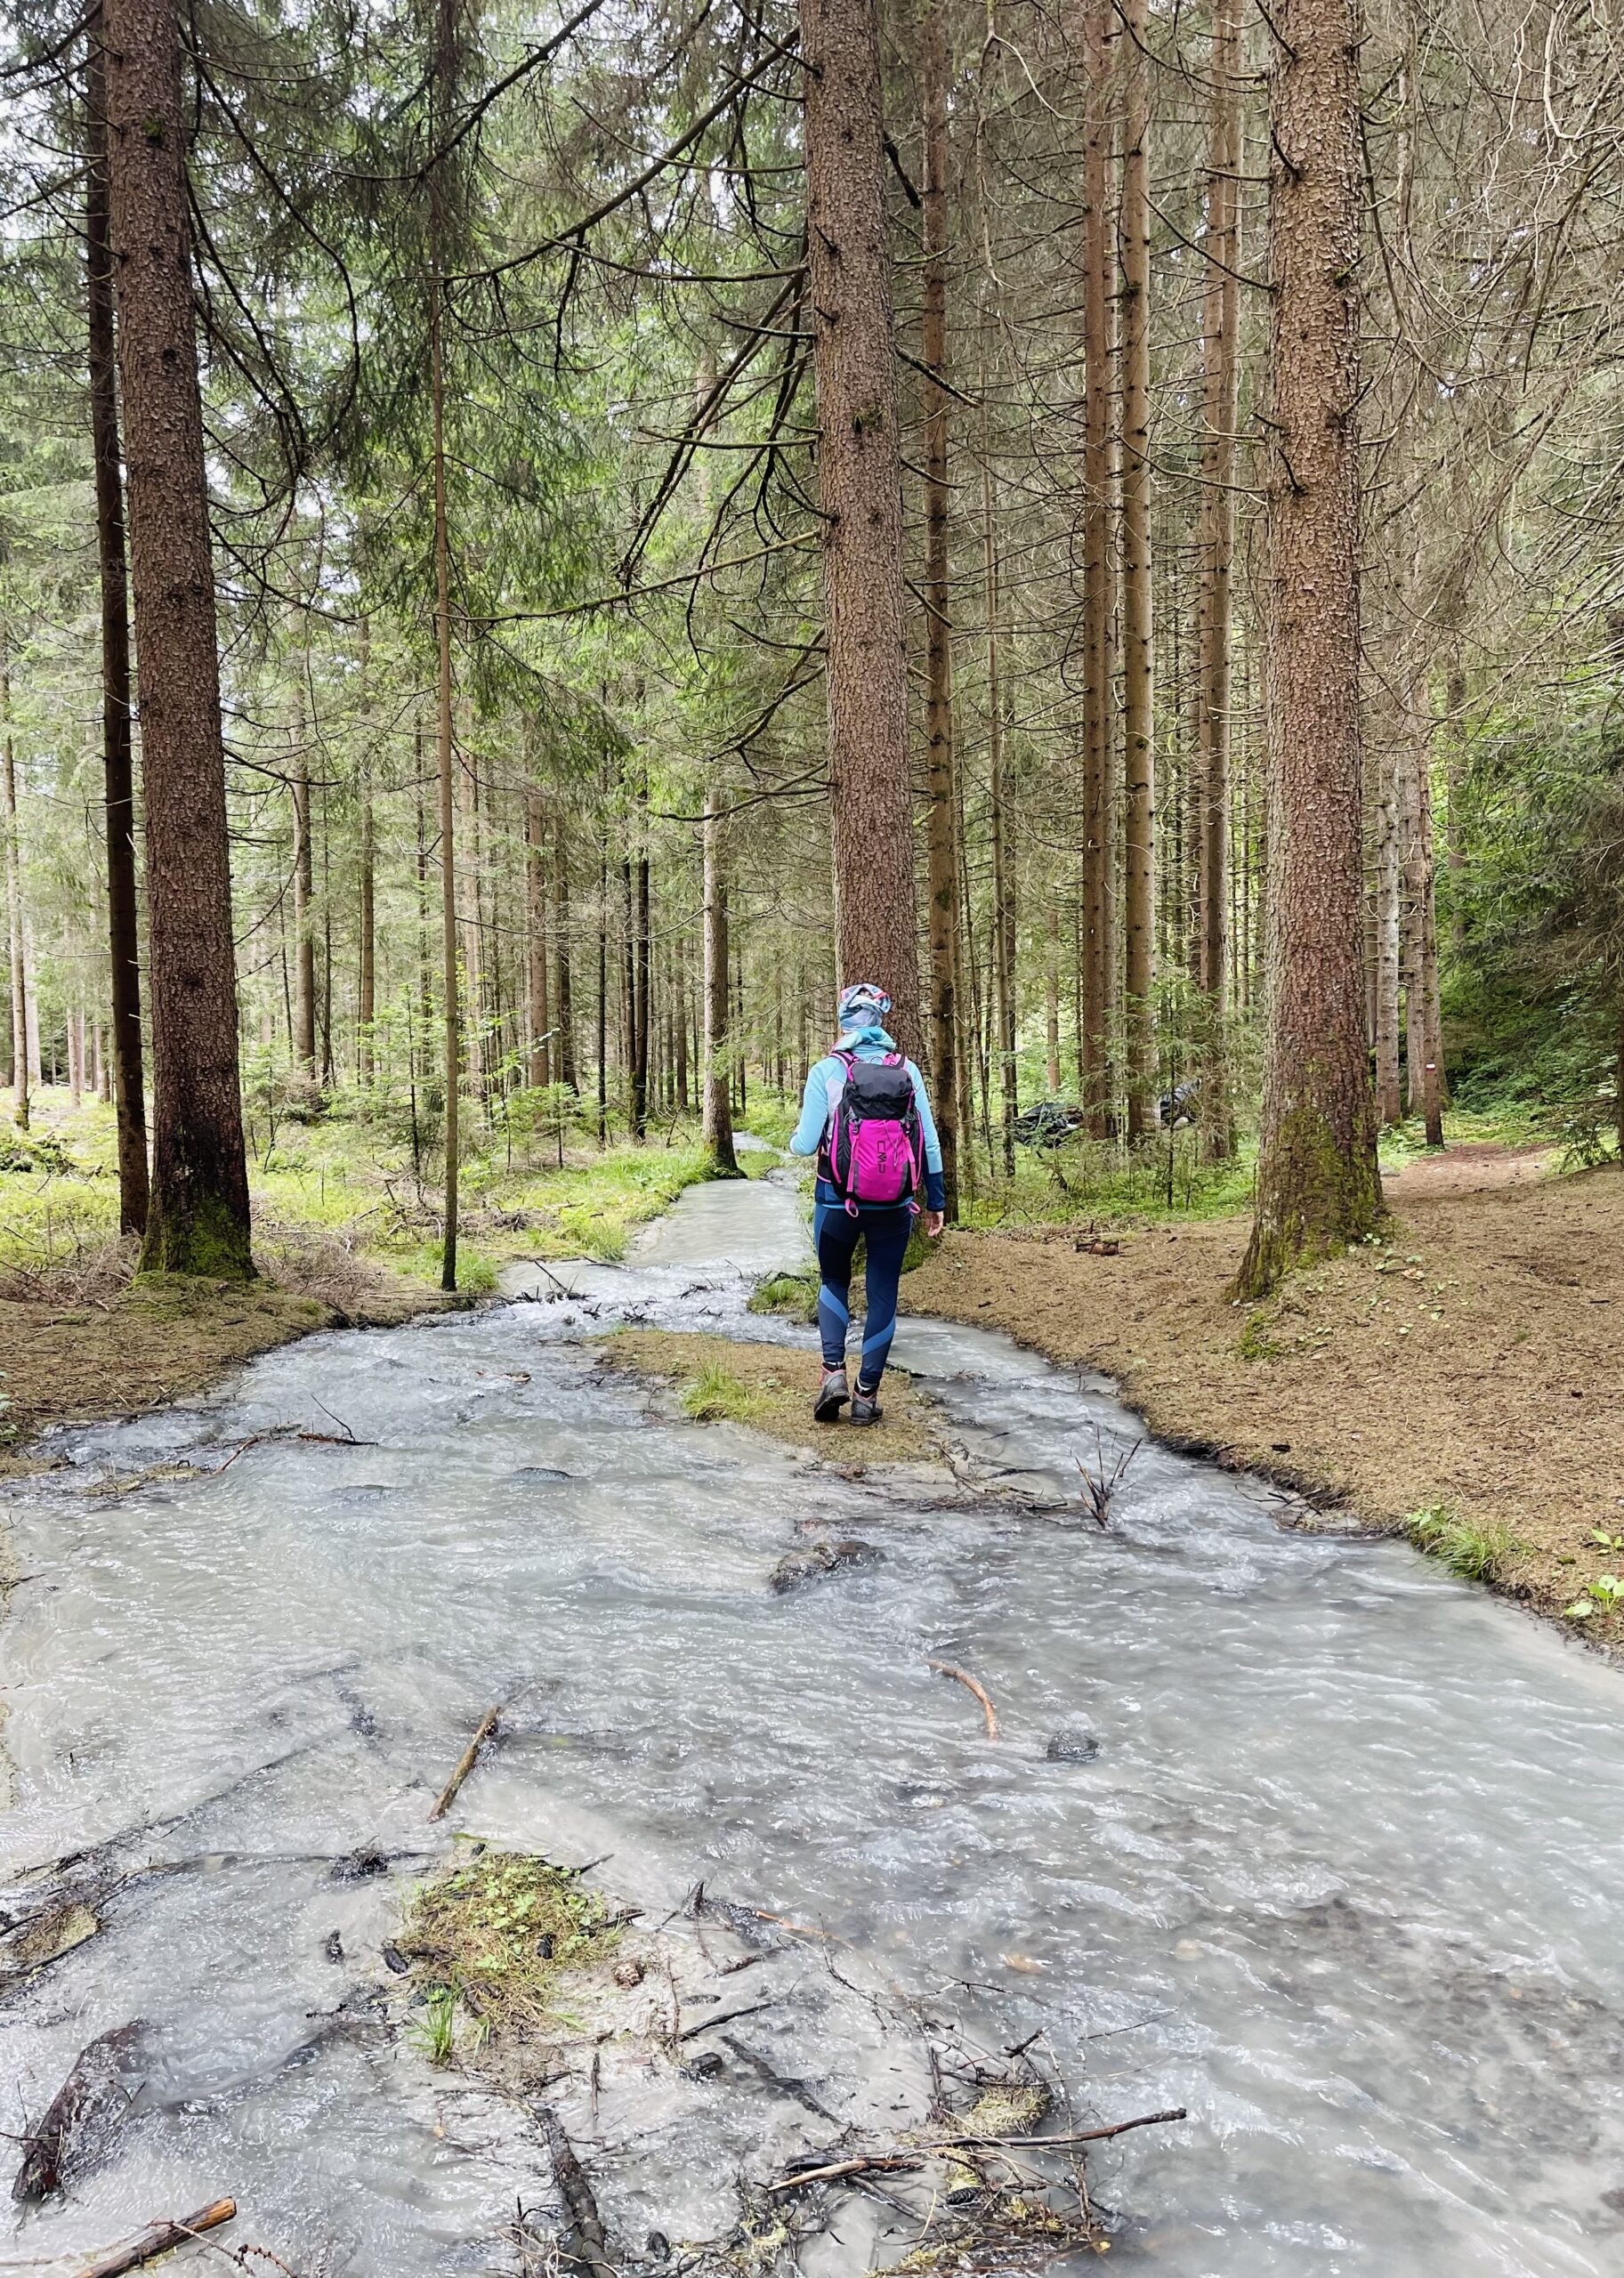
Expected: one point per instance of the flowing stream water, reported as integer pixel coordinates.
(1331, 1851)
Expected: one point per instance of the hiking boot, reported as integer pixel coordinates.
(866, 1406)
(832, 1397)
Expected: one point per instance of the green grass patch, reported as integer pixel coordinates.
(794, 1296)
(496, 1937)
(1473, 1550)
(716, 1396)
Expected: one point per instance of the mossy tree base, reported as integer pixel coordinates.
(1317, 1193)
(206, 1239)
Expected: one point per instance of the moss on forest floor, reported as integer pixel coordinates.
(770, 1388)
(1457, 1379)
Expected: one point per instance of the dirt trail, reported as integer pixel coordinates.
(1476, 1359)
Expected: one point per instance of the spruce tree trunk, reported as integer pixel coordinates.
(564, 1008)
(1389, 1105)
(860, 480)
(1096, 978)
(1216, 546)
(14, 905)
(1430, 1024)
(945, 915)
(717, 1125)
(540, 1054)
(1138, 660)
(1003, 874)
(304, 945)
(366, 1008)
(1319, 1186)
(445, 763)
(198, 1219)
(641, 981)
(118, 764)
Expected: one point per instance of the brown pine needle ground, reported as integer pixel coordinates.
(1470, 1369)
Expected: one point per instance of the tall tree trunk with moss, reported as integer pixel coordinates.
(118, 714)
(717, 1105)
(860, 482)
(1319, 1186)
(1138, 657)
(945, 915)
(198, 1216)
(1216, 546)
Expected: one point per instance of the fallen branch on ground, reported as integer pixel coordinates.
(466, 1764)
(962, 1676)
(160, 2237)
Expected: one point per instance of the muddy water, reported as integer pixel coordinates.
(1332, 1855)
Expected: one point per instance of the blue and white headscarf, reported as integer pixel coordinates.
(861, 1016)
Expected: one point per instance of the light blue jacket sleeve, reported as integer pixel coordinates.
(814, 1111)
(927, 1122)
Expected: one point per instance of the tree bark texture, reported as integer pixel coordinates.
(860, 481)
(564, 1009)
(1097, 962)
(198, 1217)
(14, 905)
(718, 1126)
(117, 758)
(1216, 547)
(1138, 656)
(540, 1053)
(945, 914)
(445, 765)
(1319, 1186)
(1003, 869)
(1389, 1105)
(305, 882)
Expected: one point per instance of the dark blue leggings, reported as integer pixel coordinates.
(836, 1234)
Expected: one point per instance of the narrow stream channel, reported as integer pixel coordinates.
(1342, 1873)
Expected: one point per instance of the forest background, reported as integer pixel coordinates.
(521, 544)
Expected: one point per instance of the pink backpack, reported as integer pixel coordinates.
(875, 1151)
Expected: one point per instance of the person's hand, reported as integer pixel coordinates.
(934, 1221)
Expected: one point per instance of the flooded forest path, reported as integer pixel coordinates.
(1284, 1828)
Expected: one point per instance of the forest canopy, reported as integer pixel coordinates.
(1108, 513)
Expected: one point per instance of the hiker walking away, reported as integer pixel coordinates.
(867, 1118)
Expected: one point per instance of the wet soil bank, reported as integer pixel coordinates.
(1475, 1361)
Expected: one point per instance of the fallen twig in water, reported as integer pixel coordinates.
(889, 2163)
(466, 1764)
(1054, 2142)
(962, 1676)
(573, 2188)
(160, 2237)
